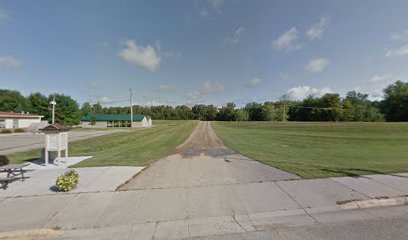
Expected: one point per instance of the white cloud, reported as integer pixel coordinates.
(165, 88)
(236, 36)
(159, 103)
(287, 41)
(193, 95)
(286, 76)
(210, 87)
(396, 52)
(4, 15)
(203, 11)
(253, 82)
(379, 78)
(317, 65)
(400, 36)
(206, 7)
(103, 100)
(317, 30)
(9, 61)
(301, 92)
(217, 5)
(146, 57)
(206, 88)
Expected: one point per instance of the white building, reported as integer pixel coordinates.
(115, 120)
(18, 120)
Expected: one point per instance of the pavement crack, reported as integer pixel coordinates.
(314, 219)
(344, 185)
(233, 216)
(155, 228)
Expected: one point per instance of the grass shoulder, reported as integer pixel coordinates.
(321, 149)
(131, 148)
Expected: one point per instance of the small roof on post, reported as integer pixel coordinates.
(55, 128)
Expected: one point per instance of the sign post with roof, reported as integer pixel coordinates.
(56, 139)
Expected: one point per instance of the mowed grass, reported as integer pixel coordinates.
(317, 150)
(133, 148)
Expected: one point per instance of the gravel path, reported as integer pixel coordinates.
(203, 160)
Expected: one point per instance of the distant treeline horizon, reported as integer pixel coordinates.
(354, 106)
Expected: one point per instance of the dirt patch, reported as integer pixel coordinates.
(30, 234)
(203, 141)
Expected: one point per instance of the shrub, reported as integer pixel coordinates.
(67, 181)
(19, 130)
(4, 160)
(5, 131)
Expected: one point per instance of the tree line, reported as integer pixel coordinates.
(354, 106)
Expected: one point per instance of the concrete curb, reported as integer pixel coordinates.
(30, 234)
(377, 202)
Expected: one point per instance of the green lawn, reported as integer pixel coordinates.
(316, 150)
(134, 148)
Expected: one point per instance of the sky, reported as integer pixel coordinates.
(202, 51)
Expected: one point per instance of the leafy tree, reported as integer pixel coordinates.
(93, 120)
(241, 115)
(86, 109)
(396, 102)
(255, 111)
(67, 110)
(97, 108)
(40, 105)
(13, 101)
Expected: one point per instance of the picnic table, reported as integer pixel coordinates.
(13, 172)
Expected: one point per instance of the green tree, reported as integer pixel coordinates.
(40, 105)
(97, 108)
(241, 115)
(396, 102)
(13, 101)
(86, 109)
(67, 110)
(255, 111)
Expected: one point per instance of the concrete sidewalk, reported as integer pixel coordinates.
(172, 213)
(41, 182)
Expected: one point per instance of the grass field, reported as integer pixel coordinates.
(315, 150)
(133, 148)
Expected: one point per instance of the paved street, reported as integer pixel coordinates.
(207, 190)
(26, 141)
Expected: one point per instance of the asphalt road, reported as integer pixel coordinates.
(12, 143)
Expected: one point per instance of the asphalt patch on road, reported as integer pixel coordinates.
(191, 152)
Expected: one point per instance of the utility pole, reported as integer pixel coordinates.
(131, 108)
(53, 103)
(284, 108)
(284, 111)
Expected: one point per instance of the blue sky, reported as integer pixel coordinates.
(203, 51)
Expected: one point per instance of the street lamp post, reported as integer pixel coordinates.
(53, 103)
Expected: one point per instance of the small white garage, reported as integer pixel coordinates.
(18, 120)
(115, 120)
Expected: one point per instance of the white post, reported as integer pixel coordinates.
(66, 146)
(59, 148)
(46, 150)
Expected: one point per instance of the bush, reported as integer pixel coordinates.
(67, 181)
(4, 160)
(19, 130)
(5, 131)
